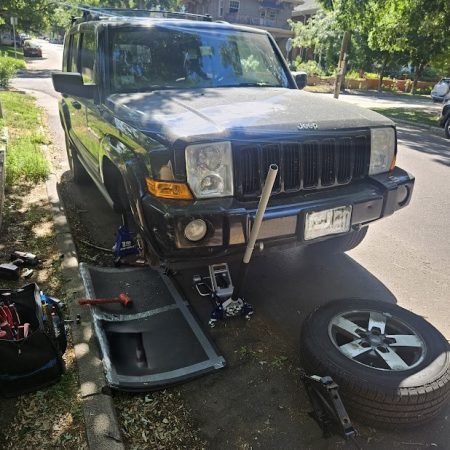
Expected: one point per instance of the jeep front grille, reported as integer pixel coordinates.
(303, 165)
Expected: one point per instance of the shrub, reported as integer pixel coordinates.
(310, 67)
(8, 68)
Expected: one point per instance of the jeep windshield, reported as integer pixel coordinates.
(174, 58)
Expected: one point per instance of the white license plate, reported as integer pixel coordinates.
(328, 221)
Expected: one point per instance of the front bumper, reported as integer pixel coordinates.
(229, 220)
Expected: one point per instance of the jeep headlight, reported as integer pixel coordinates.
(209, 169)
(382, 151)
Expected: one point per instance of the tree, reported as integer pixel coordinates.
(321, 33)
(412, 28)
(33, 15)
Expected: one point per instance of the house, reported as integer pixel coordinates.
(270, 15)
(305, 10)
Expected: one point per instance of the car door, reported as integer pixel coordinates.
(75, 105)
(94, 121)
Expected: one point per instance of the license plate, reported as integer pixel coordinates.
(328, 221)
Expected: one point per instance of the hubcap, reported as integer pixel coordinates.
(377, 340)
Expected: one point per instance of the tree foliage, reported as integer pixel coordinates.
(38, 15)
(387, 32)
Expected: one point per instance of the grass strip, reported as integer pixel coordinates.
(25, 160)
(419, 117)
(8, 50)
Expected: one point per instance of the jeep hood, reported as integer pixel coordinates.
(236, 113)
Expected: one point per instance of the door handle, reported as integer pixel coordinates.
(76, 105)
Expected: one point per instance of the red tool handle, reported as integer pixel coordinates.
(122, 298)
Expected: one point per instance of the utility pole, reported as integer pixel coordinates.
(14, 23)
(342, 64)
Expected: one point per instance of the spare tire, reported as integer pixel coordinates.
(392, 366)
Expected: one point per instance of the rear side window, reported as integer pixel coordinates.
(72, 65)
(87, 57)
(66, 53)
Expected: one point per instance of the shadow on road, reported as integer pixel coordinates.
(439, 147)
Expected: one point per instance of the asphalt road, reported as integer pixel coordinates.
(404, 259)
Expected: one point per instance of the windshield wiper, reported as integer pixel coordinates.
(253, 84)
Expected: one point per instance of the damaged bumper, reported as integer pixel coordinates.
(229, 220)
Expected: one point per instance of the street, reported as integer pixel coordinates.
(405, 259)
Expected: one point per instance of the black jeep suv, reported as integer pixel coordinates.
(178, 120)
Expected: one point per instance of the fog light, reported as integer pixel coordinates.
(195, 230)
(402, 194)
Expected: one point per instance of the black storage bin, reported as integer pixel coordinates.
(34, 362)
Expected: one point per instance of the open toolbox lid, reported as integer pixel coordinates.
(152, 343)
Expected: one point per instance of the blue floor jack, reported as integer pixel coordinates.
(218, 286)
(125, 245)
(227, 299)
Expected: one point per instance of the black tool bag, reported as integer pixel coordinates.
(33, 362)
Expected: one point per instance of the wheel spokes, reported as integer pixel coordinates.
(405, 340)
(347, 327)
(377, 320)
(353, 349)
(392, 359)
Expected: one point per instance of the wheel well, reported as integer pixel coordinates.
(113, 182)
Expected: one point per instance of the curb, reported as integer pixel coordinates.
(3, 147)
(432, 130)
(102, 427)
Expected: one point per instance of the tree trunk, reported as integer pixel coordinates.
(382, 70)
(417, 75)
(340, 73)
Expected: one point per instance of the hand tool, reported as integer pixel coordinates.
(122, 298)
(77, 320)
(23, 331)
(28, 259)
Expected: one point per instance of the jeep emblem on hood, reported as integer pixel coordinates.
(307, 126)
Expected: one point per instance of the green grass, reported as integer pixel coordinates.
(24, 158)
(7, 50)
(412, 115)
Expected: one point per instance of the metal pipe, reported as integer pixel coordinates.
(265, 195)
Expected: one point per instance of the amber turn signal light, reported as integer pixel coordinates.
(168, 189)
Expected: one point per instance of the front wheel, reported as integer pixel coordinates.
(447, 128)
(79, 173)
(392, 366)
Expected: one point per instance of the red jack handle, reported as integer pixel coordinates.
(122, 298)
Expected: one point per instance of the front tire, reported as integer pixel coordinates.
(122, 206)
(447, 127)
(79, 173)
(392, 366)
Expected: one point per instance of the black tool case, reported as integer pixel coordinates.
(34, 362)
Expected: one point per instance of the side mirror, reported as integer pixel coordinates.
(301, 78)
(71, 83)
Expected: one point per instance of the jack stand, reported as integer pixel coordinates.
(125, 245)
(219, 287)
(328, 410)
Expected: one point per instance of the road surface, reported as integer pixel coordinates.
(404, 259)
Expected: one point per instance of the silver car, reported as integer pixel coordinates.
(441, 91)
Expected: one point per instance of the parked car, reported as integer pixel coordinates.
(31, 48)
(444, 120)
(441, 90)
(177, 122)
(6, 38)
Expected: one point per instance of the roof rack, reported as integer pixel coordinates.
(92, 13)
